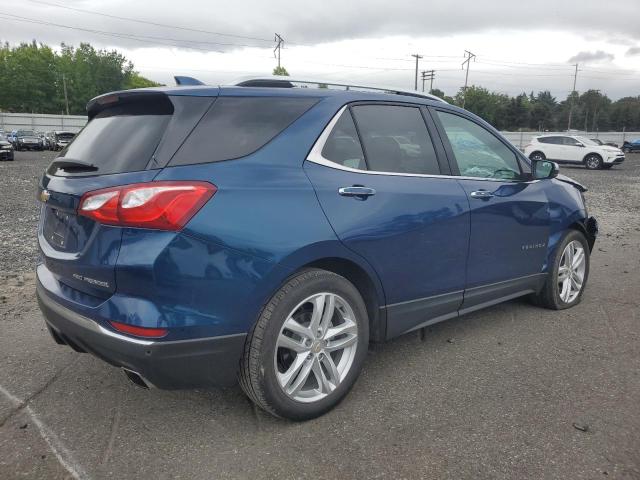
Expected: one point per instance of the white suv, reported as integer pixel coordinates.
(573, 149)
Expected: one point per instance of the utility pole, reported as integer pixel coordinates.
(64, 87)
(575, 78)
(418, 57)
(280, 42)
(468, 56)
(428, 75)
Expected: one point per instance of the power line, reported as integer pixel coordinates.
(18, 18)
(129, 19)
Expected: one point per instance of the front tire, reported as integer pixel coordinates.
(307, 348)
(568, 275)
(537, 156)
(593, 162)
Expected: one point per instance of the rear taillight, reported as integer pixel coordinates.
(159, 205)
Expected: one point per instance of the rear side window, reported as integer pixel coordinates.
(119, 139)
(343, 146)
(396, 139)
(237, 126)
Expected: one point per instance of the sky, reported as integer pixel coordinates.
(519, 46)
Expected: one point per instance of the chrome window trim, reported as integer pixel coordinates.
(315, 156)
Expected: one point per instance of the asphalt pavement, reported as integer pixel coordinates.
(511, 392)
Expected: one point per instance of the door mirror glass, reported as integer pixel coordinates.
(545, 169)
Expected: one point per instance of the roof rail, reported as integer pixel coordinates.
(288, 82)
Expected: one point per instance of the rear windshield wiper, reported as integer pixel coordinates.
(70, 165)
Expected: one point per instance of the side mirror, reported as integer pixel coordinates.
(544, 169)
(579, 145)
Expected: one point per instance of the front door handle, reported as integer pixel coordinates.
(356, 191)
(481, 194)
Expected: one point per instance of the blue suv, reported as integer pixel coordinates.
(197, 235)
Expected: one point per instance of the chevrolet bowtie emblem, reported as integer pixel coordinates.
(44, 196)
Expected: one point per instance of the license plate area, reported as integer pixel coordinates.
(65, 231)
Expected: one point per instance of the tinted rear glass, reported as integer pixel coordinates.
(237, 126)
(119, 139)
(396, 139)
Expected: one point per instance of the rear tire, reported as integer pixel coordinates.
(593, 162)
(560, 288)
(297, 369)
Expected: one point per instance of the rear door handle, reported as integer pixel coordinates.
(356, 191)
(481, 194)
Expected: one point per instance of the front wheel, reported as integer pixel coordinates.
(307, 348)
(593, 162)
(539, 156)
(568, 273)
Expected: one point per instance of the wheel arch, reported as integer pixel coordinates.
(365, 285)
(333, 256)
(584, 159)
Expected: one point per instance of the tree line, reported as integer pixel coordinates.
(33, 79)
(591, 111)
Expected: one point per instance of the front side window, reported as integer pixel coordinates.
(343, 146)
(396, 139)
(477, 151)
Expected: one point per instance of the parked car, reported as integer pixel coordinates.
(196, 235)
(6, 148)
(62, 138)
(27, 140)
(632, 146)
(11, 137)
(600, 142)
(573, 149)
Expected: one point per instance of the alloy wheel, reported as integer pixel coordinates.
(571, 271)
(593, 162)
(316, 347)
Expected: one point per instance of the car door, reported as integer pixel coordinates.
(509, 212)
(551, 147)
(381, 185)
(573, 150)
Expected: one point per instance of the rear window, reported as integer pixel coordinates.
(119, 139)
(238, 126)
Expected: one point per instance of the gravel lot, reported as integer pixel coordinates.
(510, 392)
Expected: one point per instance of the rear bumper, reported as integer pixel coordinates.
(199, 362)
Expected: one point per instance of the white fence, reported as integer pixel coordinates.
(42, 123)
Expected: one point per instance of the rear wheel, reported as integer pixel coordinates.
(593, 162)
(568, 273)
(307, 348)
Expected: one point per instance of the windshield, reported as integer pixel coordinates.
(586, 141)
(25, 133)
(66, 136)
